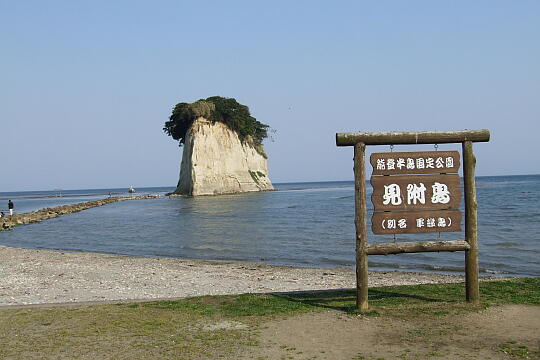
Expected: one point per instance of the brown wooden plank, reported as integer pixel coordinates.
(396, 196)
(415, 247)
(419, 162)
(414, 222)
(418, 137)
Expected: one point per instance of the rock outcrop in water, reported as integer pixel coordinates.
(215, 161)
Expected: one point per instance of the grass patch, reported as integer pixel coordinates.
(431, 299)
(518, 351)
(216, 326)
(234, 306)
(202, 327)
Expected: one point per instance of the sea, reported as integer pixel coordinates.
(308, 224)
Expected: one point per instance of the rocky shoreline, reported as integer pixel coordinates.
(8, 222)
(47, 277)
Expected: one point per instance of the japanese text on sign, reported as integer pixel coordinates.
(416, 221)
(417, 192)
(415, 162)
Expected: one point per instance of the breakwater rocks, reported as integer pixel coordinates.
(8, 222)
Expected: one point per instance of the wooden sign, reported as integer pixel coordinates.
(434, 199)
(415, 192)
(426, 162)
(401, 222)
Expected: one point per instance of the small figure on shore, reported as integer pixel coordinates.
(10, 207)
(2, 214)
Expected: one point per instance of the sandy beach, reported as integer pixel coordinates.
(50, 277)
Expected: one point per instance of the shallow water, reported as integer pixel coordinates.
(302, 224)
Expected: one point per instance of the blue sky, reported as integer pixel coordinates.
(85, 87)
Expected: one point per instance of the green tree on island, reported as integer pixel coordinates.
(216, 108)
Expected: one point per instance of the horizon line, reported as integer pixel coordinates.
(173, 186)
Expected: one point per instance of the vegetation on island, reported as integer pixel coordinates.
(216, 108)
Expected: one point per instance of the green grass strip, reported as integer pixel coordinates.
(215, 326)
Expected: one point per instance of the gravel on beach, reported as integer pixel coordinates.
(47, 277)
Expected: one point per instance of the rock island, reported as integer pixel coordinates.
(222, 148)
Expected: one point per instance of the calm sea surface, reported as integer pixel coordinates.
(301, 224)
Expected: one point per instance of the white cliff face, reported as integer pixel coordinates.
(215, 161)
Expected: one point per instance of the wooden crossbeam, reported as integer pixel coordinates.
(418, 137)
(417, 246)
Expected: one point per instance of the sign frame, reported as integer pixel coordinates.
(470, 245)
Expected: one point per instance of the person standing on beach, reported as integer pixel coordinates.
(10, 207)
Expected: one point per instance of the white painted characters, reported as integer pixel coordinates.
(392, 194)
(441, 195)
(418, 223)
(416, 193)
(415, 163)
(396, 223)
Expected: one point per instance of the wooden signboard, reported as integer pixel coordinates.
(423, 204)
(416, 192)
(433, 162)
(433, 195)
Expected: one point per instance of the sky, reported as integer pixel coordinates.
(85, 87)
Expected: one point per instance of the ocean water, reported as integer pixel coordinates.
(300, 224)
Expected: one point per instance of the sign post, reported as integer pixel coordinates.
(415, 192)
(471, 224)
(361, 227)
